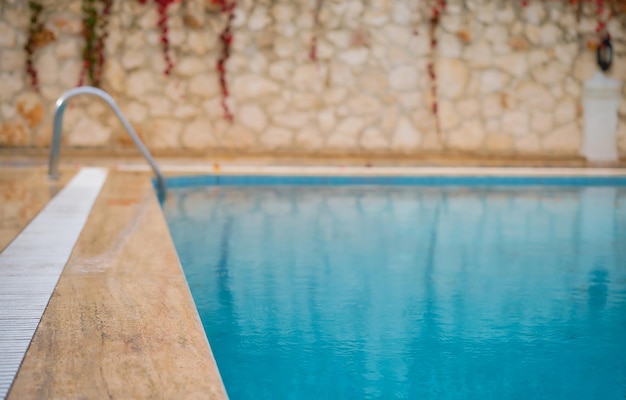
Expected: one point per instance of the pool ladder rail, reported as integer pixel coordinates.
(61, 104)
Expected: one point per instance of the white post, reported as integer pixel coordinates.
(601, 98)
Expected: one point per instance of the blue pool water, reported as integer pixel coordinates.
(415, 292)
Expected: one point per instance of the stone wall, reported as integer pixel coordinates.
(509, 79)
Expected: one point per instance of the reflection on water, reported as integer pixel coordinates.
(409, 292)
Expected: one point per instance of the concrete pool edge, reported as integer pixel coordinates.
(121, 322)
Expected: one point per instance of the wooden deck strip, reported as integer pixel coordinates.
(121, 322)
(32, 263)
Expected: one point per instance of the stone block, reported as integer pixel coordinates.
(198, 135)
(293, 119)
(284, 47)
(373, 139)
(499, 144)
(70, 71)
(340, 38)
(281, 70)
(115, 76)
(542, 121)
(185, 111)
(406, 137)
(364, 105)
(163, 133)
(534, 96)
(549, 73)
(354, 57)
(283, 12)
(346, 134)
(236, 136)
(585, 66)
(496, 34)
(468, 108)
(29, 106)
(419, 45)
(449, 46)
(204, 85)
(309, 139)
(12, 60)
(452, 75)
(514, 63)
(424, 121)
(306, 101)
(198, 43)
(8, 37)
(519, 43)
(10, 85)
(253, 117)
(89, 132)
(448, 117)
(566, 53)
(47, 66)
(373, 81)
(326, 120)
(139, 84)
(68, 48)
(478, 54)
(403, 78)
(565, 112)
(247, 87)
(159, 106)
(308, 77)
(259, 19)
(493, 80)
(527, 144)
(398, 35)
(275, 138)
(515, 123)
(469, 136)
(136, 112)
(341, 74)
(13, 133)
(564, 140)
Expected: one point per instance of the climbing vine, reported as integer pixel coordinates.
(316, 25)
(162, 7)
(35, 27)
(226, 38)
(434, 10)
(605, 10)
(96, 14)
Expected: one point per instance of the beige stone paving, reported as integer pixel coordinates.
(121, 322)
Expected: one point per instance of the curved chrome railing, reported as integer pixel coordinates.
(53, 165)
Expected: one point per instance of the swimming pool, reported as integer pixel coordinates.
(408, 288)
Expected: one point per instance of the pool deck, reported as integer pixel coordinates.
(121, 322)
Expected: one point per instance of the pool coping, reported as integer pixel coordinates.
(36, 377)
(121, 322)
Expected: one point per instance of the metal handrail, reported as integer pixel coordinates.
(61, 103)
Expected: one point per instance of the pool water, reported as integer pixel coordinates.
(415, 292)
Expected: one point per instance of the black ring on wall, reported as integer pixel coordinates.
(604, 54)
